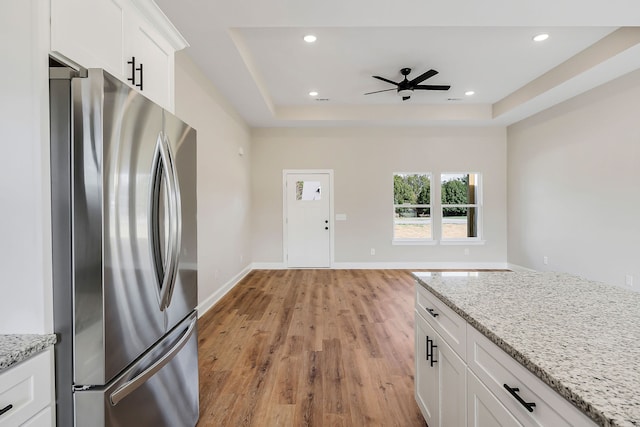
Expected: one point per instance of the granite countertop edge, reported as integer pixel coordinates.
(15, 348)
(552, 382)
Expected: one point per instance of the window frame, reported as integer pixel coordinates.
(478, 239)
(418, 240)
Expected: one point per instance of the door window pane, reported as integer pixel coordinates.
(308, 190)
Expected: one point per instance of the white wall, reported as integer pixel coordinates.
(223, 181)
(364, 161)
(574, 185)
(25, 225)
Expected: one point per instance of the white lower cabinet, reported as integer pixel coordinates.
(480, 385)
(483, 408)
(26, 392)
(440, 378)
(531, 401)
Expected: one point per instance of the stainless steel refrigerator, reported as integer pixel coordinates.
(124, 255)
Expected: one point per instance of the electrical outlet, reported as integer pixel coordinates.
(628, 280)
(545, 260)
(373, 251)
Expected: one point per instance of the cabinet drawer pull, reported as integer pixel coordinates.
(431, 312)
(513, 391)
(5, 409)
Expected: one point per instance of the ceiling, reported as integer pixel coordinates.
(253, 52)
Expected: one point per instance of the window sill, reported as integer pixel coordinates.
(454, 242)
(414, 242)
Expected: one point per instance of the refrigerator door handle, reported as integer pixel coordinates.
(165, 270)
(176, 218)
(130, 386)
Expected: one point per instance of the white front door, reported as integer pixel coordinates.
(308, 220)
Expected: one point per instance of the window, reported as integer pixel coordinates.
(461, 205)
(412, 207)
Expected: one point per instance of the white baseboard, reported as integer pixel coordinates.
(516, 267)
(395, 265)
(268, 266)
(206, 305)
(421, 265)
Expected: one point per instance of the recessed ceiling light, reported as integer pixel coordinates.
(313, 93)
(310, 38)
(541, 37)
(469, 93)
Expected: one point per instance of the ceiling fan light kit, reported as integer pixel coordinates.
(406, 87)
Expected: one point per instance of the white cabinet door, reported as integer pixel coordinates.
(90, 33)
(156, 57)
(440, 378)
(453, 384)
(426, 376)
(484, 409)
(43, 419)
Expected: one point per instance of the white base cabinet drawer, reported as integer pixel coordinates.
(444, 320)
(483, 408)
(532, 402)
(27, 387)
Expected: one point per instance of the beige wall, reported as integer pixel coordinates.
(363, 161)
(574, 179)
(223, 181)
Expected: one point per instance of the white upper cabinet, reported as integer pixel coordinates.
(131, 39)
(90, 33)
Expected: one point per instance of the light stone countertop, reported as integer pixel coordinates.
(580, 337)
(16, 348)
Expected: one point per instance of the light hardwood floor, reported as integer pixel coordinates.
(310, 348)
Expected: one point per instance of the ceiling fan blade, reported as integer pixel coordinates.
(422, 77)
(378, 91)
(385, 80)
(404, 98)
(432, 87)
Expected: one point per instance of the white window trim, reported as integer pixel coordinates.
(417, 241)
(479, 209)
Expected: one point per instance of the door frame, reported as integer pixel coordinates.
(285, 238)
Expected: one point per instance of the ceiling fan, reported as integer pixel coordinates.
(406, 87)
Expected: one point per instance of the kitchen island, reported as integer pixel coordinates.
(580, 337)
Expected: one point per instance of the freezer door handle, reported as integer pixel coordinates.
(130, 386)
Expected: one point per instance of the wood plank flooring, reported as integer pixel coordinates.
(310, 348)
